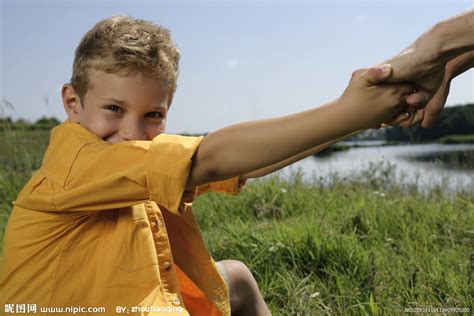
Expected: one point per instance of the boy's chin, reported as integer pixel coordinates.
(113, 140)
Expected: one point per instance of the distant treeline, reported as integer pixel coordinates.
(44, 123)
(456, 120)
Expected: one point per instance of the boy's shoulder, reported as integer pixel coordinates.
(73, 132)
(65, 142)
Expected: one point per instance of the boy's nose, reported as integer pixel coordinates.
(132, 132)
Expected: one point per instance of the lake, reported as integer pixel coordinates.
(449, 166)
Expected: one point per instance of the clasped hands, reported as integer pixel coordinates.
(431, 75)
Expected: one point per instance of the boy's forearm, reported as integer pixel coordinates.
(249, 146)
(282, 164)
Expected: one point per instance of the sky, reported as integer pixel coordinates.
(241, 60)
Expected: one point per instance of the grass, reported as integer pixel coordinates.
(457, 139)
(21, 153)
(332, 249)
(362, 245)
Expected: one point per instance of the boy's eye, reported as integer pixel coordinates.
(113, 108)
(154, 115)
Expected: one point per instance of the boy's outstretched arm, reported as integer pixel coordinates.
(282, 164)
(242, 148)
(398, 120)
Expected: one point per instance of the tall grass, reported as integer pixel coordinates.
(359, 245)
(355, 246)
(21, 153)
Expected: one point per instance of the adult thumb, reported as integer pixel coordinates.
(378, 74)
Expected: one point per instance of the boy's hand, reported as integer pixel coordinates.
(372, 101)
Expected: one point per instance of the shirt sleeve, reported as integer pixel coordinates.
(168, 170)
(104, 176)
(231, 186)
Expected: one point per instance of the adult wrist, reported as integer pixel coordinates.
(453, 37)
(436, 39)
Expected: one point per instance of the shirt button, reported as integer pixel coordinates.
(176, 302)
(166, 265)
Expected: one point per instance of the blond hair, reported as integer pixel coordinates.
(122, 44)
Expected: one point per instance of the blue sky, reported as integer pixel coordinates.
(241, 60)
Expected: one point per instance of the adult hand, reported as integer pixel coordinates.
(428, 115)
(425, 64)
(453, 68)
(419, 64)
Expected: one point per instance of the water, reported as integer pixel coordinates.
(427, 166)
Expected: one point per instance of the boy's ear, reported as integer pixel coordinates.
(71, 102)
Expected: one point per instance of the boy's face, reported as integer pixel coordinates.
(120, 108)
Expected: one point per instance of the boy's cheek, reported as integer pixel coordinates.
(158, 130)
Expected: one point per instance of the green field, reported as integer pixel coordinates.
(354, 246)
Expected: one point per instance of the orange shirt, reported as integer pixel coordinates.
(110, 225)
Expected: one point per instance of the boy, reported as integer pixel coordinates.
(107, 220)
